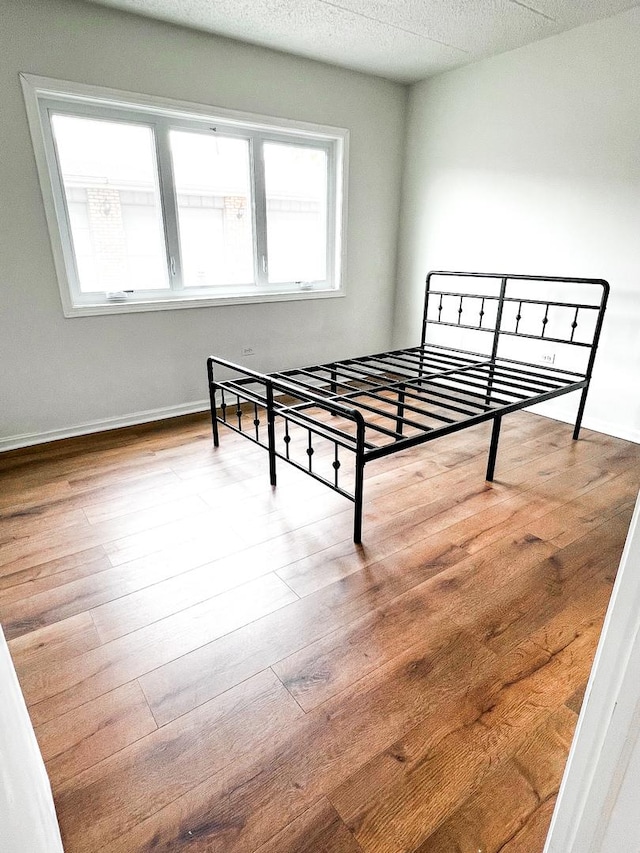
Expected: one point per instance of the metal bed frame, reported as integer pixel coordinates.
(362, 409)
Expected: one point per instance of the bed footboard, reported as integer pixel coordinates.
(321, 437)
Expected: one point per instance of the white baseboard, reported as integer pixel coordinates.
(14, 442)
(598, 425)
(595, 424)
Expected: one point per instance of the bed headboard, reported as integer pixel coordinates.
(546, 314)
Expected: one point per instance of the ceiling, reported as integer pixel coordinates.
(403, 40)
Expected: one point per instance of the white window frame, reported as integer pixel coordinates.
(43, 95)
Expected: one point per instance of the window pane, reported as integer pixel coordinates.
(111, 186)
(296, 188)
(211, 175)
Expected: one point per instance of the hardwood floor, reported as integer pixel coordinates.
(212, 665)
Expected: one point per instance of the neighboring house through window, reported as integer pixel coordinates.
(155, 204)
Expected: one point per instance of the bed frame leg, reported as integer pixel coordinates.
(214, 419)
(359, 482)
(357, 512)
(493, 448)
(583, 401)
(271, 435)
(214, 409)
(400, 409)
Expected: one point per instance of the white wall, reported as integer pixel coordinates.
(530, 162)
(27, 814)
(597, 807)
(59, 374)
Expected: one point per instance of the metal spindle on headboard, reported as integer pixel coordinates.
(574, 324)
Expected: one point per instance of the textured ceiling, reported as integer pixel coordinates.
(404, 40)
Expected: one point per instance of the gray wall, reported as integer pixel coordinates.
(530, 162)
(58, 374)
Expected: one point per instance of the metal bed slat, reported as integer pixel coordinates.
(500, 375)
(377, 386)
(391, 416)
(529, 382)
(494, 372)
(392, 433)
(537, 386)
(501, 358)
(422, 366)
(377, 427)
(330, 380)
(548, 376)
(428, 376)
(420, 397)
(415, 391)
(440, 393)
(472, 368)
(363, 367)
(496, 378)
(417, 356)
(392, 386)
(406, 443)
(482, 386)
(369, 424)
(396, 386)
(440, 370)
(519, 365)
(354, 398)
(447, 354)
(353, 395)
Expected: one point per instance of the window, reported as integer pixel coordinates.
(154, 204)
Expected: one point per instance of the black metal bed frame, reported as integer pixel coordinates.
(383, 403)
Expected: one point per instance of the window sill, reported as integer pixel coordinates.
(131, 306)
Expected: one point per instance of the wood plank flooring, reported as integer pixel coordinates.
(211, 664)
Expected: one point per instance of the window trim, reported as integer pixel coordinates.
(40, 93)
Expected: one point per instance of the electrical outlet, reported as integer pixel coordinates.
(549, 357)
(246, 351)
